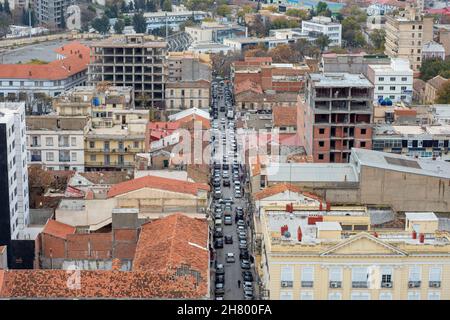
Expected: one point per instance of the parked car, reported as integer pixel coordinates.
(220, 278)
(220, 289)
(228, 220)
(218, 244)
(226, 182)
(247, 275)
(248, 295)
(230, 258)
(218, 233)
(245, 264)
(241, 223)
(220, 269)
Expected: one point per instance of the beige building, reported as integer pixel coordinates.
(432, 87)
(188, 66)
(406, 33)
(154, 197)
(336, 254)
(187, 94)
(371, 177)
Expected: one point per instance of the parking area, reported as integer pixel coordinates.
(233, 274)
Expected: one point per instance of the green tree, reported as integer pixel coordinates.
(196, 5)
(151, 6)
(282, 23)
(123, 7)
(5, 22)
(351, 33)
(433, 67)
(377, 38)
(322, 41)
(322, 9)
(139, 23)
(119, 26)
(101, 25)
(62, 24)
(131, 6)
(167, 5)
(302, 14)
(443, 94)
(223, 10)
(6, 8)
(188, 23)
(1, 7)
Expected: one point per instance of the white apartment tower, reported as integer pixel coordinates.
(14, 209)
(325, 26)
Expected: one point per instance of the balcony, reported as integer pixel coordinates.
(414, 284)
(109, 164)
(307, 284)
(335, 284)
(386, 284)
(287, 284)
(434, 284)
(360, 284)
(64, 159)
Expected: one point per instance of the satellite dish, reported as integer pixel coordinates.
(287, 234)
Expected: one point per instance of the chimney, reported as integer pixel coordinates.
(421, 238)
(299, 234)
(320, 206)
(328, 206)
(414, 235)
(116, 264)
(375, 234)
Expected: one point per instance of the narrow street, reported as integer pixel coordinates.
(229, 203)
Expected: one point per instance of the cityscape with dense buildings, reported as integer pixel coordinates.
(225, 150)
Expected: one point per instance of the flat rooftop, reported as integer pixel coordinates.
(311, 172)
(339, 79)
(405, 130)
(390, 161)
(144, 41)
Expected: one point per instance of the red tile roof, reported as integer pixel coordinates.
(282, 187)
(77, 59)
(173, 241)
(58, 229)
(154, 182)
(247, 85)
(284, 116)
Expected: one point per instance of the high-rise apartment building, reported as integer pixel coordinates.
(14, 211)
(51, 12)
(406, 33)
(136, 61)
(335, 116)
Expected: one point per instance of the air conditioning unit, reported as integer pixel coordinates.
(335, 284)
(285, 284)
(435, 284)
(414, 284)
(386, 284)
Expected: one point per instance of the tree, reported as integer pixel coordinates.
(323, 41)
(283, 23)
(221, 62)
(5, 22)
(322, 9)
(151, 6)
(139, 23)
(88, 14)
(62, 23)
(101, 25)
(302, 14)
(199, 5)
(443, 94)
(258, 28)
(6, 8)
(112, 11)
(354, 11)
(351, 33)
(282, 53)
(167, 5)
(377, 38)
(123, 7)
(433, 67)
(119, 26)
(223, 10)
(271, 8)
(1, 7)
(131, 6)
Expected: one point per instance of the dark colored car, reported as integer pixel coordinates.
(218, 233)
(218, 244)
(244, 255)
(220, 278)
(220, 269)
(226, 183)
(247, 275)
(229, 239)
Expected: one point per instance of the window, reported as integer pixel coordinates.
(74, 156)
(385, 296)
(392, 78)
(93, 157)
(404, 78)
(380, 78)
(136, 144)
(359, 277)
(321, 143)
(307, 277)
(286, 295)
(413, 295)
(287, 276)
(73, 141)
(360, 296)
(335, 296)
(434, 295)
(392, 88)
(363, 131)
(386, 277)
(49, 141)
(435, 277)
(320, 156)
(321, 131)
(414, 276)
(306, 295)
(91, 144)
(362, 144)
(49, 156)
(380, 88)
(335, 275)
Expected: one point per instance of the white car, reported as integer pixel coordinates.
(230, 257)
